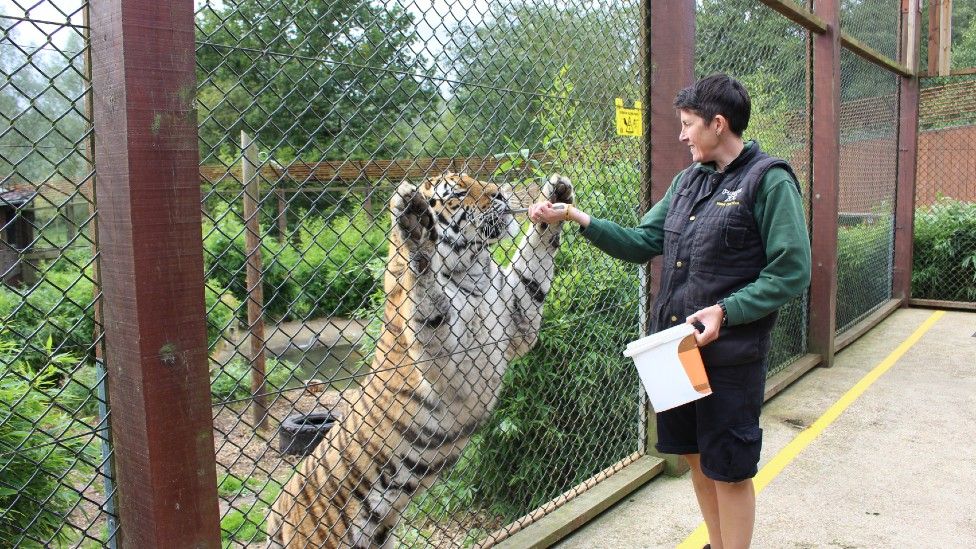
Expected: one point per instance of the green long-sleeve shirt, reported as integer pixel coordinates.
(780, 218)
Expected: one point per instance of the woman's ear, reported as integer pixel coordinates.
(720, 124)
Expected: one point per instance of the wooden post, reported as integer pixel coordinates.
(825, 184)
(149, 229)
(255, 290)
(945, 37)
(671, 63)
(940, 38)
(282, 215)
(907, 155)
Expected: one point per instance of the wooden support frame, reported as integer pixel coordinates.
(908, 99)
(151, 268)
(254, 279)
(817, 25)
(940, 38)
(672, 62)
(798, 14)
(825, 183)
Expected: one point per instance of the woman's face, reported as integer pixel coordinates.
(700, 137)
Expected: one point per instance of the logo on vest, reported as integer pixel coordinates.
(731, 198)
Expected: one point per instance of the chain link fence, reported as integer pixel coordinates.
(765, 51)
(310, 115)
(55, 455)
(868, 163)
(944, 266)
(874, 23)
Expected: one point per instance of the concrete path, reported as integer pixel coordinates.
(896, 468)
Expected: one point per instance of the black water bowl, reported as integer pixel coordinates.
(299, 434)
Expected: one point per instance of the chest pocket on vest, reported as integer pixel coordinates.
(728, 245)
(673, 224)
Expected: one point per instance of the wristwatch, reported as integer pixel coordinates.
(725, 312)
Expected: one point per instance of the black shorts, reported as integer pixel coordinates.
(723, 427)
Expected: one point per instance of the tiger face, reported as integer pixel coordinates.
(470, 214)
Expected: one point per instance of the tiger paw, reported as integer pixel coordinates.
(558, 189)
(412, 216)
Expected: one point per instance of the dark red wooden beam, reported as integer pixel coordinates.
(826, 181)
(672, 67)
(148, 198)
(908, 98)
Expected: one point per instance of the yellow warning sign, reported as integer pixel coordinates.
(630, 122)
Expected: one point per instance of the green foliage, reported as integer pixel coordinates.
(78, 394)
(314, 79)
(243, 526)
(246, 523)
(944, 260)
(232, 381)
(222, 308)
(559, 401)
(743, 38)
(35, 476)
(323, 274)
(40, 103)
(230, 485)
(58, 309)
(525, 46)
(861, 282)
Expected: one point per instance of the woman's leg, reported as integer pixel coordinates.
(705, 491)
(737, 512)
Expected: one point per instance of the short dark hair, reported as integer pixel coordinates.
(717, 94)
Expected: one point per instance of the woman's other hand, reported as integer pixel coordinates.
(711, 318)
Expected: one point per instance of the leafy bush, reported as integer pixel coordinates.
(323, 274)
(862, 283)
(58, 308)
(79, 392)
(222, 307)
(944, 264)
(35, 491)
(567, 409)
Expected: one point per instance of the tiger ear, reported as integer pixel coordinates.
(427, 184)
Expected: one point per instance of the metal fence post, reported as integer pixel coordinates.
(908, 99)
(825, 153)
(672, 67)
(149, 229)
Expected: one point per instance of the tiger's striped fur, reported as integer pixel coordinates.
(453, 321)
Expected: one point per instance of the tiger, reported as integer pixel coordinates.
(452, 322)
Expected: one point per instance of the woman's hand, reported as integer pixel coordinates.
(547, 212)
(711, 318)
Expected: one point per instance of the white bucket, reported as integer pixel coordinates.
(670, 367)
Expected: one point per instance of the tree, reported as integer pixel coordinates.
(310, 79)
(510, 64)
(42, 107)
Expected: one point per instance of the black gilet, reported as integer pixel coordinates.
(712, 248)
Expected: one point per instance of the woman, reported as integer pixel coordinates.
(732, 232)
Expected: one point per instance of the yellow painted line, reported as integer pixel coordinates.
(699, 537)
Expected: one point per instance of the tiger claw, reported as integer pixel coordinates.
(412, 215)
(559, 189)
